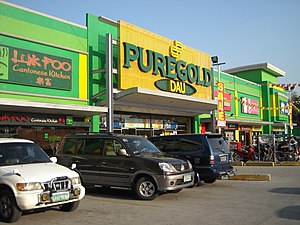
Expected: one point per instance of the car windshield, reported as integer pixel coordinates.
(21, 153)
(219, 144)
(139, 145)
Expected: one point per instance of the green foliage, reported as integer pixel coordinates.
(295, 98)
(53, 141)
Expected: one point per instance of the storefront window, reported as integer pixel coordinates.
(148, 125)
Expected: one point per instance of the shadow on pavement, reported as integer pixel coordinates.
(111, 193)
(286, 190)
(290, 212)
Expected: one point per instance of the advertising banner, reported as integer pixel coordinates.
(249, 106)
(284, 107)
(221, 113)
(22, 66)
(227, 100)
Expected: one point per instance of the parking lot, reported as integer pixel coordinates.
(224, 202)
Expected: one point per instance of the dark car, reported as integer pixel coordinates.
(124, 161)
(208, 153)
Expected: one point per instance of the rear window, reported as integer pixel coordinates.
(166, 144)
(173, 143)
(191, 143)
(218, 144)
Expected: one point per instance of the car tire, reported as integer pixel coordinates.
(255, 157)
(237, 158)
(145, 189)
(69, 207)
(9, 211)
(209, 180)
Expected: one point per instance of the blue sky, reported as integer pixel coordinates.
(240, 32)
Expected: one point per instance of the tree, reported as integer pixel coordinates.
(54, 141)
(295, 98)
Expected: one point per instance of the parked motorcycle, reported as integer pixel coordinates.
(287, 150)
(265, 152)
(245, 153)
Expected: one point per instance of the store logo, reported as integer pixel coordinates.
(182, 77)
(4, 55)
(176, 49)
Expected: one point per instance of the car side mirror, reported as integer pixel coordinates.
(122, 152)
(73, 166)
(53, 159)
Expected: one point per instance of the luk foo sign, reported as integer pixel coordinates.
(180, 76)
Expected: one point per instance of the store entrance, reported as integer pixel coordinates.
(245, 137)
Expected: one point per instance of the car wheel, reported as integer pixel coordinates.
(69, 207)
(145, 189)
(209, 180)
(255, 157)
(237, 158)
(9, 212)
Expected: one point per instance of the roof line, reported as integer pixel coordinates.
(264, 66)
(44, 14)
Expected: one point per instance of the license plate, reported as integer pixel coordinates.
(223, 158)
(59, 197)
(187, 178)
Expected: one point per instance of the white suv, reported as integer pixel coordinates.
(29, 179)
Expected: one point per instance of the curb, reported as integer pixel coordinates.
(237, 163)
(289, 163)
(265, 164)
(251, 177)
(260, 164)
(250, 163)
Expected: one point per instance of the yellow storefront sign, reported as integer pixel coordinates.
(151, 61)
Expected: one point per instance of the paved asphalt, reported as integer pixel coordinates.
(226, 202)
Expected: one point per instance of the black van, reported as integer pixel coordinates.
(131, 162)
(208, 153)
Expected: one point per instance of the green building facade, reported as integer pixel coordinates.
(253, 103)
(53, 82)
(44, 81)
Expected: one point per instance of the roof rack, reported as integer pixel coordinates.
(94, 133)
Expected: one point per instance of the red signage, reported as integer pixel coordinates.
(227, 100)
(30, 119)
(249, 106)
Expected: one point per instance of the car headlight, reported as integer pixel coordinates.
(167, 167)
(29, 186)
(190, 164)
(75, 180)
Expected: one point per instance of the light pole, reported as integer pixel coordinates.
(221, 113)
(216, 62)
